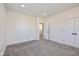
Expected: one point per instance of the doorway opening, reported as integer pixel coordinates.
(41, 29)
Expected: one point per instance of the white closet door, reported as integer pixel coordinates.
(69, 31)
(77, 32)
(47, 31)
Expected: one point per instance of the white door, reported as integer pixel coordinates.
(69, 31)
(47, 31)
(77, 32)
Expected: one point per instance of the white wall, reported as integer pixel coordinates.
(41, 20)
(56, 23)
(20, 27)
(2, 29)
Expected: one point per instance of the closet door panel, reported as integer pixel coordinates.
(69, 31)
(77, 32)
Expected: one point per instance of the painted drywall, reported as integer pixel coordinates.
(2, 29)
(41, 20)
(56, 23)
(20, 27)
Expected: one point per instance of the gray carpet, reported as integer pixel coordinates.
(40, 48)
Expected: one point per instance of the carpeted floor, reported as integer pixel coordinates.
(41, 48)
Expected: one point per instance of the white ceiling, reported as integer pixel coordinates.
(38, 9)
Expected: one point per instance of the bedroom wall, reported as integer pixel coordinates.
(20, 27)
(2, 29)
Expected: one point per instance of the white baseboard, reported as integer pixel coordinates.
(64, 43)
(17, 42)
(3, 51)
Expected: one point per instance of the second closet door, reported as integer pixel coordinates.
(69, 31)
(76, 31)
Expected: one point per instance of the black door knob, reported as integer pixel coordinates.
(73, 33)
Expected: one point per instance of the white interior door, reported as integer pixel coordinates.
(77, 32)
(69, 31)
(47, 31)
